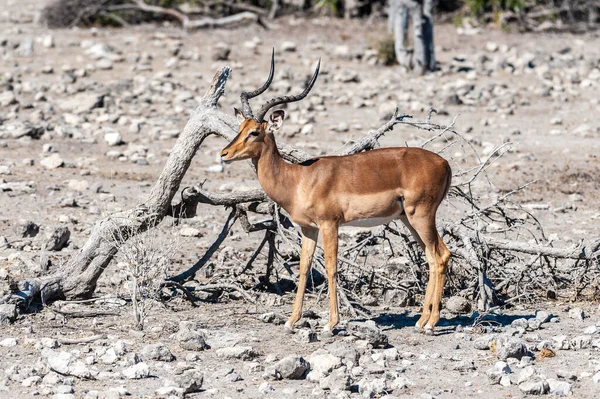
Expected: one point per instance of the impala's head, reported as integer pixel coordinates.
(253, 129)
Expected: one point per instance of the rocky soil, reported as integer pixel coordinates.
(87, 120)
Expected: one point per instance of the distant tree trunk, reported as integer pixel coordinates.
(400, 27)
(421, 57)
(428, 9)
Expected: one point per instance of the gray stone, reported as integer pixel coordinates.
(305, 336)
(520, 323)
(291, 367)
(596, 378)
(7, 98)
(464, 366)
(57, 239)
(591, 330)
(534, 324)
(82, 102)
(543, 316)
(237, 352)
(510, 347)
(321, 364)
(8, 313)
(562, 342)
(221, 52)
(189, 338)
(526, 374)
(497, 371)
(537, 387)
(78, 185)
(137, 371)
(458, 304)
(577, 314)
(581, 342)
(368, 331)
(189, 380)
(337, 380)
(66, 364)
(483, 343)
(157, 352)
(272, 317)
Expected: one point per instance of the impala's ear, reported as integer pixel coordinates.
(239, 115)
(276, 121)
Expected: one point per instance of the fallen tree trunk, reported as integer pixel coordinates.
(78, 277)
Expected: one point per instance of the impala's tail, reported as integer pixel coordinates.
(449, 180)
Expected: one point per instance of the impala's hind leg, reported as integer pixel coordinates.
(421, 223)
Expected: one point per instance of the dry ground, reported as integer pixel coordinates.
(556, 139)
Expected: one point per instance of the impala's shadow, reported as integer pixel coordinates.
(394, 321)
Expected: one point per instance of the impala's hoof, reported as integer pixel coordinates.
(288, 329)
(428, 329)
(327, 332)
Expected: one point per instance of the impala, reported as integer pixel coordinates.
(365, 189)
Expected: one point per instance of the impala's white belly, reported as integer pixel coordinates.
(372, 222)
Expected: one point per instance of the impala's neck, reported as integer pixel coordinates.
(274, 174)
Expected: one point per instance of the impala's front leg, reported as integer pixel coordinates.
(309, 243)
(330, 245)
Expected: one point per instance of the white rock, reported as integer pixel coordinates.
(78, 185)
(52, 162)
(190, 232)
(526, 374)
(137, 371)
(109, 357)
(7, 98)
(321, 364)
(113, 138)
(537, 387)
(288, 46)
(559, 388)
(591, 330)
(266, 388)
(50, 343)
(8, 342)
(48, 41)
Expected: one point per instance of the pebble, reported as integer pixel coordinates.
(458, 305)
(190, 232)
(52, 161)
(113, 139)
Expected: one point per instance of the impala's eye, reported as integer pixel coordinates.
(253, 133)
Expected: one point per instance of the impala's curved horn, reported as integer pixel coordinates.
(245, 96)
(288, 99)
